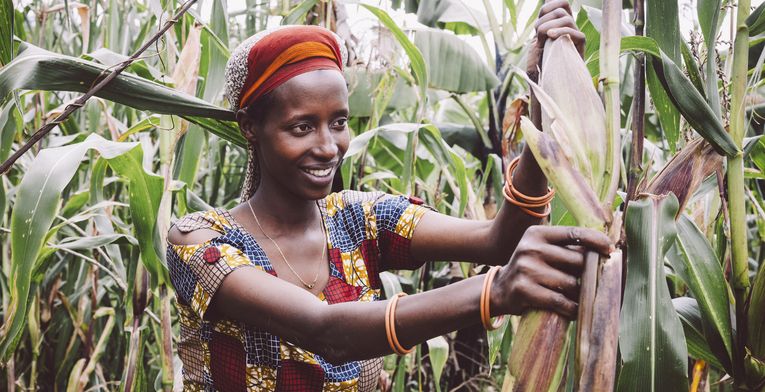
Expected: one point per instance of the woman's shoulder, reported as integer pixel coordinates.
(198, 226)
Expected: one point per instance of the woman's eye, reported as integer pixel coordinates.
(301, 128)
(341, 123)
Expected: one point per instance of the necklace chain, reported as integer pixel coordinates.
(323, 251)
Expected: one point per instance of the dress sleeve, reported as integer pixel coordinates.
(197, 271)
(396, 217)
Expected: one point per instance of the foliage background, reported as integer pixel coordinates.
(435, 101)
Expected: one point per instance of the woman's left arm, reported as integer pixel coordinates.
(441, 237)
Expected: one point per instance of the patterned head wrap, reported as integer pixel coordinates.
(268, 59)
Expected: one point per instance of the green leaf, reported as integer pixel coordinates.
(6, 31)
(708, 13)
(453, 65)
(696, 263)
(297, 14)
(692, 105)
(685, 97)
(453, 165)
(37, 203)
(453, 15)
(651, 337)
(693, 329)
(662, 24)
(756, 316)
(363, 83)
(692, 68)
(495, 339)
(38, 69)
(416, 60)
(438, 351)
(756, 21)
(669, 117)
(93, 241)
(145, 192)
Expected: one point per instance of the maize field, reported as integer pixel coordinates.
(654, 137)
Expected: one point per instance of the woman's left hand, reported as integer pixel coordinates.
(555, 20)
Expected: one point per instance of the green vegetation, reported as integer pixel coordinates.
(670, 162)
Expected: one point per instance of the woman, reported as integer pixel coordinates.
(253, 283)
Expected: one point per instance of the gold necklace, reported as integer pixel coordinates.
(323, 250)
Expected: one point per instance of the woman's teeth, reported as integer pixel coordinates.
(318, 173)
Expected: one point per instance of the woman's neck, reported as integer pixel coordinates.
(282, 210)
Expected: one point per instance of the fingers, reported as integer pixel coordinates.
(555, 5)
(565, 259)
(552, 21)
(541, 297)
(558, 281)
(565, 235)
(556, 20)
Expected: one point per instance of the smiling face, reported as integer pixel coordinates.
(302, 134)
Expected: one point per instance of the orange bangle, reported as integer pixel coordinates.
(390, 326)
(541, 200)
(524, 207)
(522, 201)
(486, 301)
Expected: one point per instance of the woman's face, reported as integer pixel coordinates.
(303, 134)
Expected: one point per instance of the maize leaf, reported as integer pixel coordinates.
(756, 21)
(663, 25)
(651, 340)
(571, 187)
(692, 105)
(693, 328)
(583, 138)
(694, 260)
(36, 206)
(756, 316)
(602, 337)
(38, 69)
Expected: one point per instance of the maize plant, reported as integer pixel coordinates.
(653, 137)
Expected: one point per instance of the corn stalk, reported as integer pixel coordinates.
(580, 155)
(735, 172)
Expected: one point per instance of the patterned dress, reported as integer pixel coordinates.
(367, 233)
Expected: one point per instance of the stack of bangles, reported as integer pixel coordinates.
(525, 203)
(485, 301)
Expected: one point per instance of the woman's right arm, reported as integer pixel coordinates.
(356, 330)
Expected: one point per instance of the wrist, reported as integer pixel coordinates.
(497, 298)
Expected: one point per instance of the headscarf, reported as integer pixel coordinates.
(270, 58)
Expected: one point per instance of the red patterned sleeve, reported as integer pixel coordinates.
(396, 217)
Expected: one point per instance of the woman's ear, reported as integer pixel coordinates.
(246, 124)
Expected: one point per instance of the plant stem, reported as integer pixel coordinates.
(167, 339)
(736, 184)
(638, 109)
(609, 75)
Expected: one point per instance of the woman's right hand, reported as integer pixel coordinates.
(543, 271)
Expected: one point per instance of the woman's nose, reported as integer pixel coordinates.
(326, 146)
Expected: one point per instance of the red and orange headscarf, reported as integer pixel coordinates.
(266, 60)
(269, 58)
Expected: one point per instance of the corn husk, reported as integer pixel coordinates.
(578, 124)
(579, 154)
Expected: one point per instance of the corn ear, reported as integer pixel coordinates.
(538, 357)
(596, 360)
(578, 125)
(571, 187)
